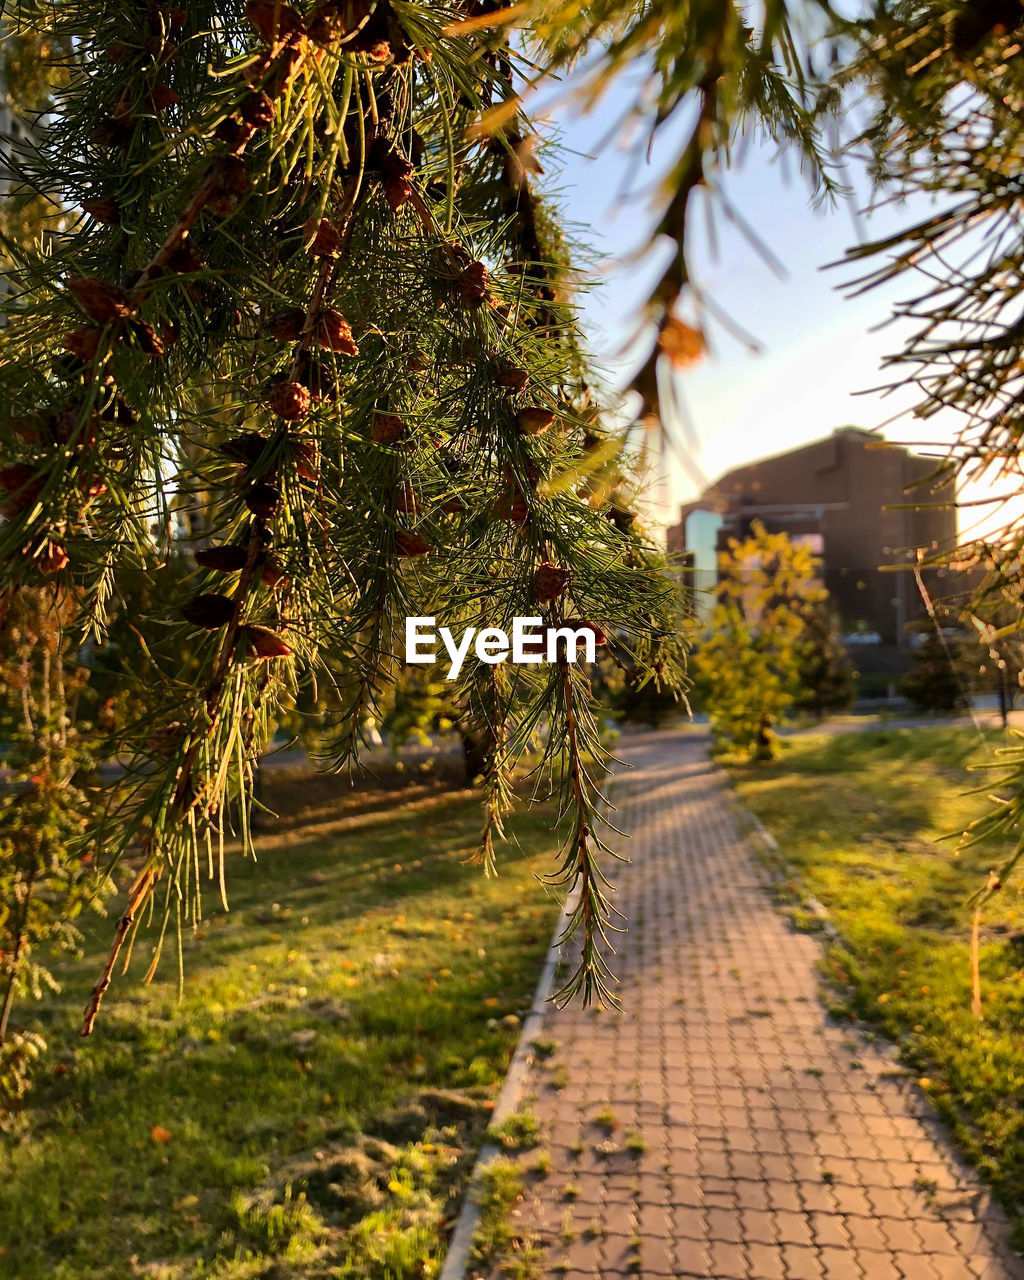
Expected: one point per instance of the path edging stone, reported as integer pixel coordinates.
(460, 1246)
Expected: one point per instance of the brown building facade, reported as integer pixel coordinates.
(858, 503)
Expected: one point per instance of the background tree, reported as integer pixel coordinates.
(44, 809)
(748, 668)
(828, 681)
(943, 670)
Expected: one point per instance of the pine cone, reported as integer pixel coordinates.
(317, 378)
(534, 419)
(511, 506)
(163, 96)
(286, 326)
(265, 644)
(307, 458)
(387, 428)
(579, 624)
(263, 500)
(397, 192)
(24, 485)
(320, 238)
(472, 284)
(104, 211)
(229, 183)
(225, 559)
(549, 582)
(334, 332)
(69, 424)
(272, 573)
(185, 260)
(147, 338)
(514, 379)
(209, 611)
(621, 518)
(102, 302)
(289, 400)
(246, 448)
(83, 343)
(233, 132)
(53, 558)
(274, 20)
(258, 110)
(411, 544)
(406, 502)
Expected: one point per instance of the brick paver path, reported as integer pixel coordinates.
(776, 1144)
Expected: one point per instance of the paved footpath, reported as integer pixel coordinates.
(777, 1145)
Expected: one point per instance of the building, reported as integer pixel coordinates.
(864, 507)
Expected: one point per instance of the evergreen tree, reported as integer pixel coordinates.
(311, 316)
(828, 681)
(940, 679)
(748, 669)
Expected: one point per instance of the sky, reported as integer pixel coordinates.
(821, 350)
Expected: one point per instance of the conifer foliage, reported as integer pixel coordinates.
(310, 319)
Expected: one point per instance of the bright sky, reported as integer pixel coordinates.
(819, 351)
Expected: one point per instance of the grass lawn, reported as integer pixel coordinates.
(859, 819)
(313, 1105)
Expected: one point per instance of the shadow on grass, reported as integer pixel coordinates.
(354, 1011)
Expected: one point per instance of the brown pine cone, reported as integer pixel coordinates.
(265, 644)
(317, 378)
(225, 559)
(102, 302)
(511, 506)
(246, 448)
(263, 500)
(411, 544)
(472, 284)
(549, 582)
(258, 110)
(232, 131)
(621, 518)
(320, 238)
(289, 400)
(307, 458)
(209, 611)
(274, 20)
(229, 183)
(24, 485)
(185, 260)
(534, 419)
(29, 430)
(334, 332)
(147, 338)
(52, 558)
(397, 192)
(272, 573)
(580, 624)
(83, 343)
(286, 326)
(387, 428)
(406, 502)
(513, 379)
(104, 211)
(163, 96)
(69, 425)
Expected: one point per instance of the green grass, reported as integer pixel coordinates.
(327, 1077)
(860, 820)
